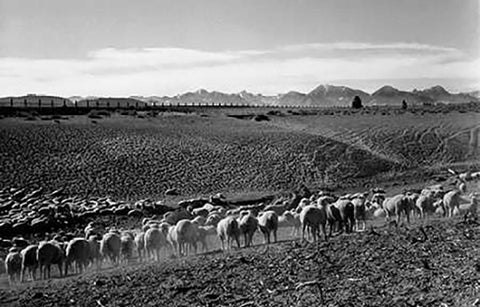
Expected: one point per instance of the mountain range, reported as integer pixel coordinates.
(322, 95)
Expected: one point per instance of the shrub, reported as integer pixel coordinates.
(261, 117)
(357, 103)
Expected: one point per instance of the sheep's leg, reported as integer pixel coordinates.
(303, 231)
(22, 275)
(324, 232)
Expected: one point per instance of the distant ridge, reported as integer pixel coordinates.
(323, 95)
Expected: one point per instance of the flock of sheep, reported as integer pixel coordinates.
(183, 231)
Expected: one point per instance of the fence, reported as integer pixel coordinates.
(79, 107)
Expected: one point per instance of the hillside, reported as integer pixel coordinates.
(131, 158)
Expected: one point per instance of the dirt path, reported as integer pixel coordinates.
(426, 266)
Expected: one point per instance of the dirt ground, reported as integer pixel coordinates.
(435, 263)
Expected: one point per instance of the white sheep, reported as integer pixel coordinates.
(203, 233)
(140, 245)
(359, 212)
(248, 225)
(228, 230)
(185, 235)
(127, 245)
(302, 204)
(13, 265)
(95, 255)
(213, 219)
(397, 205)
(29, 261)
(110, 246)
(199, 220)
(451, 202)
(290, 219)
(154, 241)
(48, 253)
(278, 208)
(78, 251)
(313, 218)
(268, 223)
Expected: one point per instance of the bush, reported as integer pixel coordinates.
(261, 117)
(357, 103)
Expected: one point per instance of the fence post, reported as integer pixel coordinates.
(108, 104)
(136, 104)
(96, 103)
(51, 103)
(118, 104)
(11, 102)
(64, 103)
(39, 103)
(76, 104)
(25, 103)
(88, 104)
(128, 105)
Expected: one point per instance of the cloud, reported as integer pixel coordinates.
(169, 71)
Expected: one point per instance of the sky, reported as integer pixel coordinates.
(124, 47)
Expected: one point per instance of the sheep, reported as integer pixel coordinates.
(227, 229)
(154, 240)
(29, 261)
(172, 217)
(397, 205)
(95, 255)
(185, 233)
(213, 219)
(91, 229)
(110, 246)
(203, 233)
(140, 245)
(314, 218)
(346, 214)
(200, 212)
(48, 253)
(290, 219)
(278, 208)
(268, 223)
(199, 220)
(411, 200)
(470, 209)
(13, 265)
(78, 251)
(359, 212)
(248, 225)
(451, 201)
(303, 202)
(425, 204)
(127, 244)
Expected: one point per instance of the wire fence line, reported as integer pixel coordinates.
(133, 105)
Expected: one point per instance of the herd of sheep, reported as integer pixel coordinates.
(182, 232)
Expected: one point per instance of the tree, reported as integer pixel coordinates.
(404, 104)
(357, 103)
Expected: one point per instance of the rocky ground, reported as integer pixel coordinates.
(434, 264)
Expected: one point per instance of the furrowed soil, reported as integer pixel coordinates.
(433, 263)
(436, 264)
(129, 158)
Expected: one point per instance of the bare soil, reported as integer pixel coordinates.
(425, 265)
